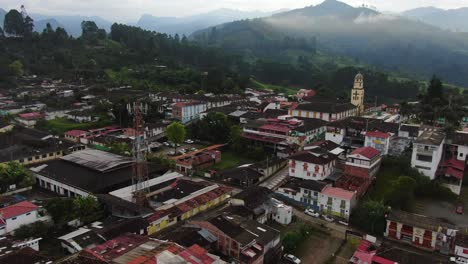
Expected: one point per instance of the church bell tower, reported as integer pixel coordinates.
(357, 93)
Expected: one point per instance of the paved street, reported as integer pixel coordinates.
(274, 181)
(335, 228)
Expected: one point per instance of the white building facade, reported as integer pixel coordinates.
(427, 153)
(337, 202)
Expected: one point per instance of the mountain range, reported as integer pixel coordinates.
(391, 42)
(169, 25)
(452, 19)
(188, 25)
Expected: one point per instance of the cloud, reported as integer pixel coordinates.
(367, 19)
(130, 10)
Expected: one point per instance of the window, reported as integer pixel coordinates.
(424, 158)
(51, 154)
(37, 157)
(28, 213)
(44, 155)
(14, 218)
(30, 159)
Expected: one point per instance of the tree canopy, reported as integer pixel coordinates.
(175, 132)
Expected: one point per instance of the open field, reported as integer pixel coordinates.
(62, 125)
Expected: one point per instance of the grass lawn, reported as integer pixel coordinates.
(62, 125)
(276, 88)
(230, 160)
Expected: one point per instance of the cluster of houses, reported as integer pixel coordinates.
(329, 150)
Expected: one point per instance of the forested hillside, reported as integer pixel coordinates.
(390, 42)
(153, 61)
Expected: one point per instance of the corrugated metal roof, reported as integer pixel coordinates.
(97, 160)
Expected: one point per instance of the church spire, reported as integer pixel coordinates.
(357, 93)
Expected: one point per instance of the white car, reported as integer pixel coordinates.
(166, 144)
(292, 258)
(459, 260)
(311, 212)
(189, 141)
(328, 218)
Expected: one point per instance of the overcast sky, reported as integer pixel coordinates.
(128, 10)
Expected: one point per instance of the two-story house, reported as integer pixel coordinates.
(315, 164)
(363, 162)
(427, 152)
(303, 192)
(378, 140)
(16, 215)
(337, 202)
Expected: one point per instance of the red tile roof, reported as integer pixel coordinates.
(338, 193)
(17, 209)
(368, 152)
(274, 127)
(75, 133)
(377, 134)
(31, 116)
(452, 167)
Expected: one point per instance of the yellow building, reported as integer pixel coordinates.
(357, 93)
(187, 207)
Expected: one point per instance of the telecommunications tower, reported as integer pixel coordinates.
(140, 167)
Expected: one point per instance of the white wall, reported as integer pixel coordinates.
(459, 251)
(427, 168)
(336, 205)
(15, 222)
(382, 147)
(59, 187)
(335, 137)
(298, 171)
(462, 152)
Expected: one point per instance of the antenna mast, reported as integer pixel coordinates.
(140, 167)
(23, 11)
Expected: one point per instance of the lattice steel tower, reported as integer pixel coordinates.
(140, 167)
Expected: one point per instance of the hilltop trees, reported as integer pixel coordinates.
(16, 25)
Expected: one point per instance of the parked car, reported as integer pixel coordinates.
(292, 258)
(459, 209)
(459, 260)
(189, 141)
(193, 149)
(328, 218)
(171, 153)
(311, 212)
(166, 144)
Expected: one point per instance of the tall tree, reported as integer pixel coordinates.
(28, 25)
(14, 24)
(435, 89)
(17, 68)
(175, 132)
(85, 206)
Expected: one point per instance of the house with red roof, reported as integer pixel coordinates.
(378, 140)
(315, 164)
(188, 164)
(188, 111)
(363, 162)
(450, 173)
(337, 202)
(30, 119)
(16, 215)
(366, 252)
(75, 135)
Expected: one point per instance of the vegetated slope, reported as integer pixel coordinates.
(391, 42)
(452, 19)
